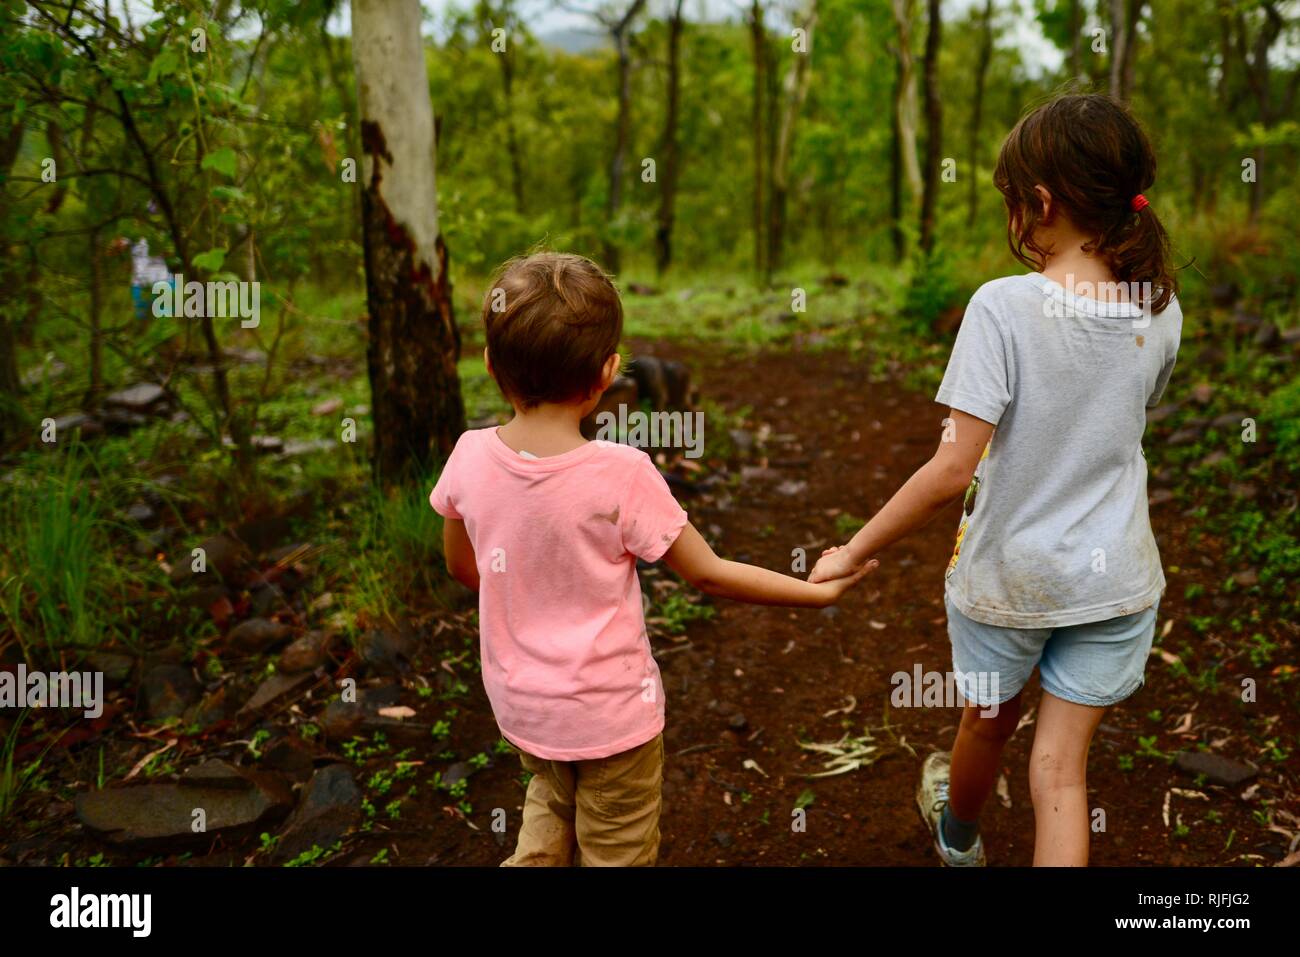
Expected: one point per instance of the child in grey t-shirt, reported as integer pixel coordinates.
(1055, 529)
(1055, 566)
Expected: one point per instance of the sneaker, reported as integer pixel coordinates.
(931, 799)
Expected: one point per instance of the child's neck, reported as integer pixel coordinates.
(545, 430)
(1069, 266)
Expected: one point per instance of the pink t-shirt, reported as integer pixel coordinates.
(566, 658)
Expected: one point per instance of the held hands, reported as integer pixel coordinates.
(835, 583)
(836, 564)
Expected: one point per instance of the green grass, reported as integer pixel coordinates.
(54, 561)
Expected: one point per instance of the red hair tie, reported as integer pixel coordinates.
(1139, 203)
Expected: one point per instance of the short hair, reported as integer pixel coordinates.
(552, 322)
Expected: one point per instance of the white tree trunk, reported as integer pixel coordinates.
(413, 342)
(903, 14)
(393, 96)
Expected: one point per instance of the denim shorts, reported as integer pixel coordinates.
(1099, 663)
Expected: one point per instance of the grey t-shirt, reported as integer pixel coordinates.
(1055, 529)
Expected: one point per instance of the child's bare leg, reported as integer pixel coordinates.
(1058, 781)
(976, 756)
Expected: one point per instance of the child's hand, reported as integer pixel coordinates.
(833, 589)
(835, 562)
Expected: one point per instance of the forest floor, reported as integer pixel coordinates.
(815, 441)
(750, 684)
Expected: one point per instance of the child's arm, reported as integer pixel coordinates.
(691, 557)
(459, 553)
(924, 495)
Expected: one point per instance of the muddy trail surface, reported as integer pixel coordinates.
(761, 702)
(748, 686)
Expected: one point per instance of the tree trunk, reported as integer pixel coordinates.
(348, 101)
(507, 59)
(1124, 16)
(797, 80)
(977, 109)
(758, 38)
(1128, 67)
(96, 389)
(896, 172)
(933, 124)
(905, 99)
(10, 384)
(1254, 61)
(618, 32)
(670, 169)
(1076, 40)
(417, 411)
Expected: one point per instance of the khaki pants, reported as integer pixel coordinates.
(598, 813)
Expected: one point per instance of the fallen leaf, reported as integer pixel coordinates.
(844, 709)
(397, 711)
(139, 765)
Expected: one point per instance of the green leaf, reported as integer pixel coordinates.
(223, 161)
(211, 260)
(230, 194)
(167, 62)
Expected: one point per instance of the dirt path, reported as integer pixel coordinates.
(752, 682)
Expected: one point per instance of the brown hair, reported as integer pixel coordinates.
(552, 320)
(1094, 158)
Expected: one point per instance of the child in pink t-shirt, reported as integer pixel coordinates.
(547, 527)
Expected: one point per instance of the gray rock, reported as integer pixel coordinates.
(226, 556)
(342, 720)
(257, 635)
(295, 448)
(290, 756)
(1246, 578)
(116, 668)
(1267, 336)
(141, 514)
(137, 398)
(267, 600)
(455, 773)
(330, 807)
(266, 444)
(214, 708)
(1229, 420)
(1216, 768)
(272, 690)
(215, 773)
(77, 422)
(307, 653)
(163, 815)
(385, 652)
(168, 690)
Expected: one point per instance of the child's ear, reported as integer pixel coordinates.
(1045, 197)
(608, 373)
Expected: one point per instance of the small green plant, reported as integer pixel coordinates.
(315, 854)
(847, 524)
(678, 611)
